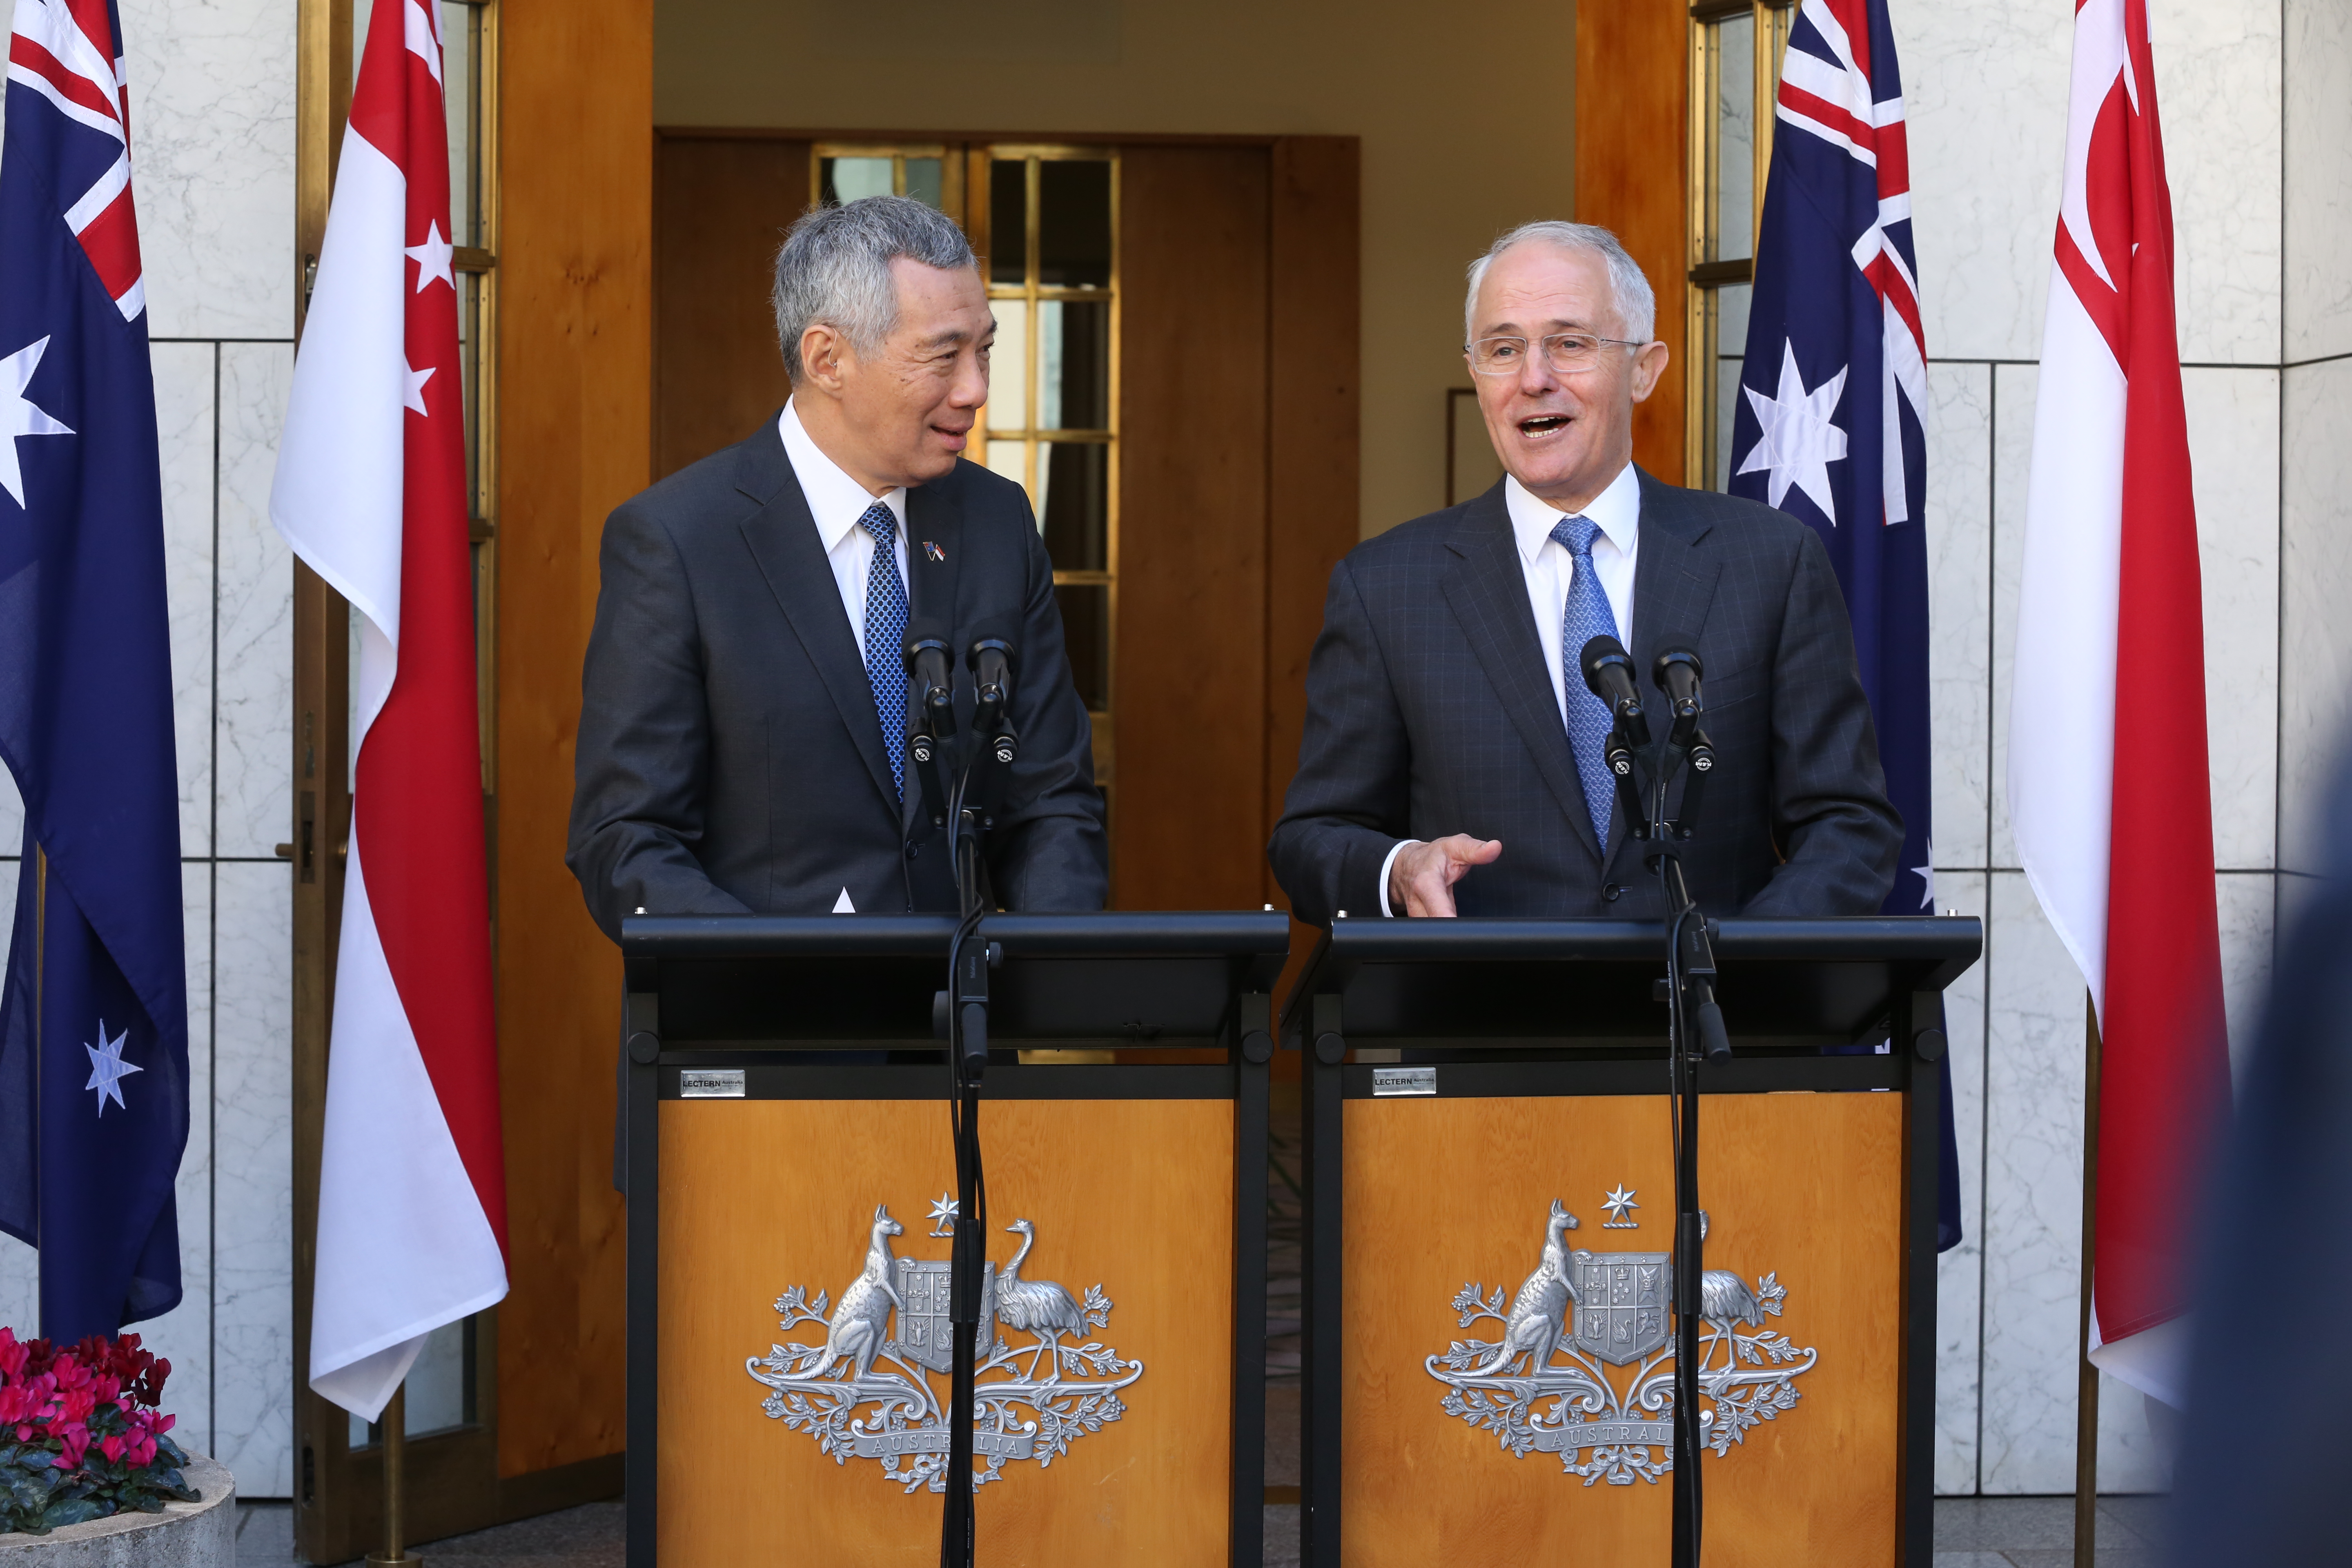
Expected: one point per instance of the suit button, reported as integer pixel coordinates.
(1614, 891)
(910, 851)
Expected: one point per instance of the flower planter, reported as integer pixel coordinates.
(185, 1535)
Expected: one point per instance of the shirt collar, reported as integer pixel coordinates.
(1616, 511)
(835, 500)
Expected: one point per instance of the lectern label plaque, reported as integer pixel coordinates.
(1544, 1386)
(874, 1387)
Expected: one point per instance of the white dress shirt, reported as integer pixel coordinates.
(837, 502)
(1549, 568)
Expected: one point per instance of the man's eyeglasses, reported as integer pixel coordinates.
(1566, 352)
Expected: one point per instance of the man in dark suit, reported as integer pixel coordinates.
(744, 707)
(1452, 761)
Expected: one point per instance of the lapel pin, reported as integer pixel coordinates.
(935, 552)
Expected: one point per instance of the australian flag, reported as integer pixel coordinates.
(94, 1017)
(1830, 420)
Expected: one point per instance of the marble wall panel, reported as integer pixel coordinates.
(2033, 1197)
(1960, 1273)
(211, 95)
(185, 1334)
(185, 425)
(2217, 75)
(2015, 389)
(256, 605)
(2247, 904)
(1984, 89)
(2233, 454)
(2316, 587)
(2318, 177)
(1959, 593)
(253, 1154)
(12, 815)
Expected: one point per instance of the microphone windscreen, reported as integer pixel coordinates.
(1676, 647)
(924, 636)
(1002, 630)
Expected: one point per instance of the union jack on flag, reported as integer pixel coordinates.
(66, 51)
(1829, 424)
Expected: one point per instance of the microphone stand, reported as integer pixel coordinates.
(1695, 1028)
(966, 808)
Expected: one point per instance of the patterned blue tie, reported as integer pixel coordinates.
(885, 631)
(1588, 616)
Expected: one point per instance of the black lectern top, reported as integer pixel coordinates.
(1785, 983)
(1119, 979)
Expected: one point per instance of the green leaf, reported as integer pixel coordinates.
(73, 1510)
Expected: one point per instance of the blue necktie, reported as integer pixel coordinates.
(886, 630)
(1588, 616)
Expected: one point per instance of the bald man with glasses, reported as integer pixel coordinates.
(1452, 759)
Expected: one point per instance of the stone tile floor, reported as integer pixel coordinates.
(1970, 1532)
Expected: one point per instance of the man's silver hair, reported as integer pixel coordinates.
(1637, 307)
(835, 268)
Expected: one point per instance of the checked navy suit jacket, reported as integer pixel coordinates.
(1429, 712)
(731, 759)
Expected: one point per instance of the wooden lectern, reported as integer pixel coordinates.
(1488, 1123)
(791, 1181)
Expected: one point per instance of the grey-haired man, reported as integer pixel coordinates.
(1452, 760)
(744, 709)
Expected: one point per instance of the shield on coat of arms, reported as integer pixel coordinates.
(924, 1334)
(1621, 1304)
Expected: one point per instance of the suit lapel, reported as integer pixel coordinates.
(934, 563)
(1487, 588)
(1673, 587)
(782, 538)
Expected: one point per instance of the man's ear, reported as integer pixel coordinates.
(1648, 365)
(822, 351)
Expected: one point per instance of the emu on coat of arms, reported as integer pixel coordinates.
(867, 1393)
(1544, 1385)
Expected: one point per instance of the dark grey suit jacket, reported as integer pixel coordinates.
(1429, 711)
(731, 759)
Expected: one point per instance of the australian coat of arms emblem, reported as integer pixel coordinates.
(875, 1385)
(1547, 1385)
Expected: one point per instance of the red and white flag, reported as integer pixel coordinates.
(371, 493)
(2107, 777)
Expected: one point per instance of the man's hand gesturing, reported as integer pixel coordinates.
(1421, 881)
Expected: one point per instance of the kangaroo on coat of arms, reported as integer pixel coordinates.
(1545, 1386)
(867, 1394)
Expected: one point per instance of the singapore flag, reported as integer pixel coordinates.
(371, 493)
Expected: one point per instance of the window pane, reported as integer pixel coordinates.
(1074, 223)
(1731, 303)
(1735, 135)
(1086, 633)
(923, 180)
(1073, 365)
(440, 1386)
(459, 42)
(843, 179)
(1009, 459)
(1008, 366)
(1008, 222)
(1076, 505)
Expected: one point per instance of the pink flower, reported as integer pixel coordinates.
(112, 1449)
(75, 1440)
(13, 1354)
(142, 1450)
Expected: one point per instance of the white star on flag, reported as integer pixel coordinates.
(1798, 443)
(432, 256)
(414, 396)
(18, 417)
(107, 1068)
(1926, 874)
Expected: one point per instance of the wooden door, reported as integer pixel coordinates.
(1235, 478)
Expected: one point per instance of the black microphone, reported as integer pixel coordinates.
(930, 661)
(1677, 670)
(1609, 675)
(994, 659)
